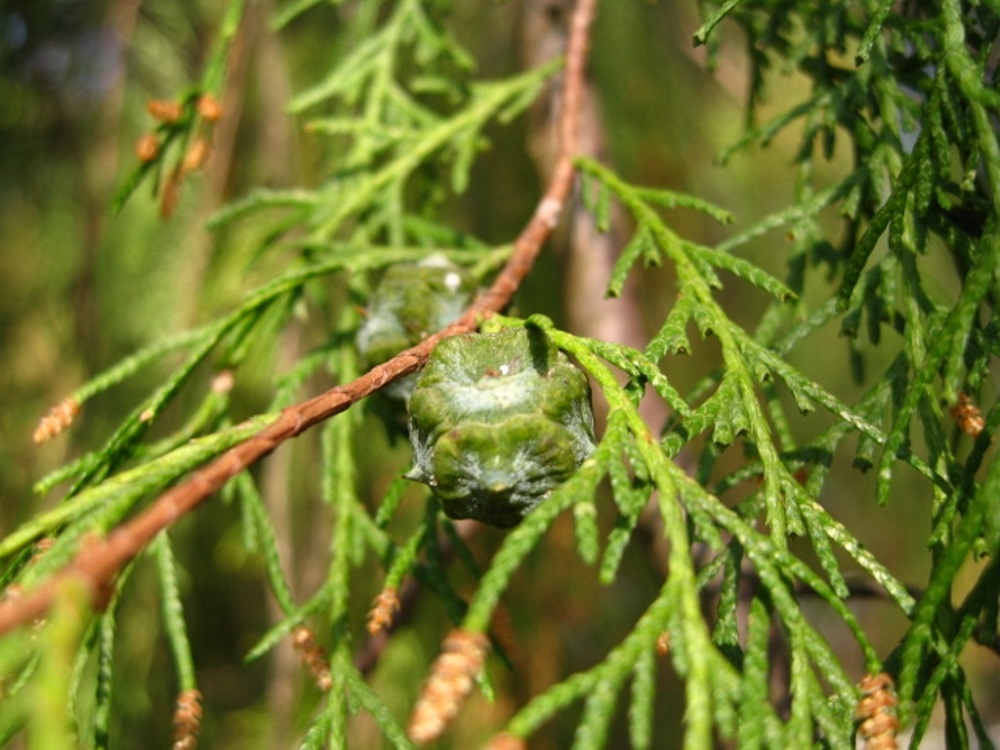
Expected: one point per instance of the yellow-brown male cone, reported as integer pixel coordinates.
(450, 681)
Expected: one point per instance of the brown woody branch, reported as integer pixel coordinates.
(99, 560)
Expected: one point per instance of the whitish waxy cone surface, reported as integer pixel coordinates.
(412, 301)
(496, 421)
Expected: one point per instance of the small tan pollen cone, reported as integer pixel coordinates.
(450, 682)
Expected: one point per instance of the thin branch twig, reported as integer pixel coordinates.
(99, 560)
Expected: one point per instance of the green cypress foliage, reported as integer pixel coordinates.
(756, 577)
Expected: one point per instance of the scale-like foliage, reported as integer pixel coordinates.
(744, 542)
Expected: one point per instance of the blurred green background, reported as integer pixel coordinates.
(82, 288)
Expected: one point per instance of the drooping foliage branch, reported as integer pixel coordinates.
(908, 93)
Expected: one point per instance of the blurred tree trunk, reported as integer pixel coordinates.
(589, 255)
